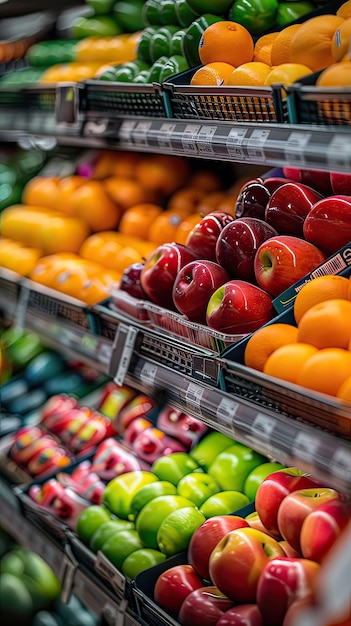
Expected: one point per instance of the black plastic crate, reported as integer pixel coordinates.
(122, 99)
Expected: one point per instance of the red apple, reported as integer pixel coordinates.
(203, 607)
(322, 527)
(152, 443)
(283, 260)
(238, 243)
(296, 506)
(203, 237)
(289, 206)
(48, 459)
(254, 521)
(274, 182)
(194, 285)
(65, 425)
(242, 615)
(207, 536)
(252, 199)
(160, 271)
(181, 426)
(139, 406)
(273, 489)
(282, 581)
(134, 428)
(317, 179)
(112, 459)
(237, 561)
(289, 550)
(59, 403)
(328, 224)
(239, 307)
(130, 281)
(174, 585)
(340, 183)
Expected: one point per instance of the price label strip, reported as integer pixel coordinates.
(95, 128)
(340, 464)
(234, 142)
(189, 138)
(255, 144)
(148, 373)
(140, 133)
(122, 352)
(126, 130)
(205, 140)
(164, 138)
(295, 146)
(226, 411)
(305, 447)
(339, 152)
(193, 396)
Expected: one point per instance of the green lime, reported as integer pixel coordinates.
(106, 530)
(177, 42)
(151, 13)
(223, 503)
(90, 520)
(141, 559)
(197, 487)
(175, 65)
(256, 15)
(193, 35)
(174, 466)
(232, 467)
(177, 528)
(209, 447)
(129, 15)
(120, 545)
(219, 7)
(143, 47)
(156, 69)
(160, 44)
(120, 491)
(149, 492)
(15, 600)
(152, 515)
(185, 15)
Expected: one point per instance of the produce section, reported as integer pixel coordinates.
(113, 381)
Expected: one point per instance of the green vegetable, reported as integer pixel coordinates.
(46, 53)
(193, 35)
(129, 15)
(256, 15)
(291, 11)
(101, 7)
(101, 26)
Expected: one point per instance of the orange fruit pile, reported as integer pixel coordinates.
(317, 353)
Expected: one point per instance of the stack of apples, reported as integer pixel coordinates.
(260, 570)
(232, 266)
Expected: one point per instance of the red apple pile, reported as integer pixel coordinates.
(256, 571)
(230, 269)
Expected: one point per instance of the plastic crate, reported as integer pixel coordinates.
(321, 106)
(226, 103)
(122, 100)
(277, 395)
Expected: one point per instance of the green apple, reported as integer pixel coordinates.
(177, 529)
(197, 487)
(257, 475)
(15, 600)
(231, 468)
(152, 515)
(149, 492)
(106, 530)
(120, 545)
(210, 447)
(90, 520)
(224, 503)
(120, 491)
(172, 467)
(141, 559)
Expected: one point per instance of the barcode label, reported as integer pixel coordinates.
(340, 464)
(189, 138)
(164, 138)
(141, 132)
(305, 446)
(256, 142)
(263, 426)
(335, 265)
(295, 146)
(205, 139)
(148, 373)
(126, 130)
(194, 394)
(226, 411)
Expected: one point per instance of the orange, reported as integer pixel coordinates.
(253, 74)
(186, 226)
(327, 324)
(311, 44)
(286, 362)
(165, 226)
(186, 199)
(62, 234)
(336, 75)
(97, 248)
(137, 220)
(340, 43)
(228, 42)
(215, 74)
(227, 204)
(349, 291)
(115, 164)
(345, 10)
(162, 174)
(318, 290)
(211, 202)
(41, 191)
(205, 180)
(280, 52)
(265, 341)
(326, 370)
(24, 223)
(91, 203)
(125, 192)
(263, 48)
(287, 73)
(66, 186)
(125, 257)
(344, 391)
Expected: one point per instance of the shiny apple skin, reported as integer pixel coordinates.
(252, 199)
(340, 183)
(130, 281)
(203, 237)
(237, 561)
(283, 260)
(283, 581)
(242, 615)
(328, 224)
(194, 285)
(238, 243)
(203, 607)
(160, 270)
(322, 527)
(174, 585)
(317, 179)
(289, 206)
(238, 307)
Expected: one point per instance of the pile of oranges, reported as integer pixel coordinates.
(231, 57)
(316, 353)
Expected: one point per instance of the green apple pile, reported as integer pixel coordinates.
(147, 516)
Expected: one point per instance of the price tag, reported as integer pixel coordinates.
(21, 310)
(104, 353)
(305, 446)
(189, 138)
(165, 135)
(148, 373)
(340, 464)
(193, 395)
(95, 128)
(108, 571)
(205, 139)
(234, 142)
(339, 151)
(126, 130)
(295, 146)
(256, 142)
(226, 411)
(263, 426)
(140, 133)
(122, 351)
(66, 104)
